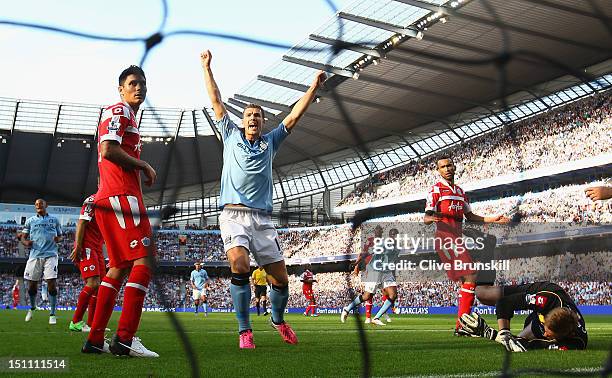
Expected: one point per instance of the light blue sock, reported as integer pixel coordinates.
(356, 302)
(278, 299)
(52, 303)
(33, 301)
(241, 296)
(205, 306)
(383, 309)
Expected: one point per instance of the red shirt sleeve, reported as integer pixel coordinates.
(432, 199)
(115, 121)
(87, 210)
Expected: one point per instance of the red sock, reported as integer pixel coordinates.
(82, 304)
(368, 307)
(133, 299)
(107, 294)
(91, 309)
(466, 300)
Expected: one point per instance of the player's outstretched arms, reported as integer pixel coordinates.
(111, 150)
(302, 105)
(598, 193)
(211, 85)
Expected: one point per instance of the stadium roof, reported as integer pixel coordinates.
(404, 96)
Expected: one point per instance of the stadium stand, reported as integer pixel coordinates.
(572, 132)
(330, 289)
(559, 207)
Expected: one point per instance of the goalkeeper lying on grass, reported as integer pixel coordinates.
(554, 323)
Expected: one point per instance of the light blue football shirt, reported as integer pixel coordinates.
(42, 230)
(247, 168)
(199, 278)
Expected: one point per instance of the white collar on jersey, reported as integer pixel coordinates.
(451, 187)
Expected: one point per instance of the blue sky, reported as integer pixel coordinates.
(44, 66)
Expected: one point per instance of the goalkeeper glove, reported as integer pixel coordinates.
(515, 344)
(476, 326)
(502, 335)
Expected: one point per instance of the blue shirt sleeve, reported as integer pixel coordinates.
(277, 136)
(26, 227)
(191, 275)
(226, 126)
(205, 275)
(58, 228)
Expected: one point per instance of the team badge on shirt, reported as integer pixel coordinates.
(263, 146)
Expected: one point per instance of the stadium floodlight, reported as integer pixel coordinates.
(355, 75)
(443, 20)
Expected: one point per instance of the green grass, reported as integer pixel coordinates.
(410, 345)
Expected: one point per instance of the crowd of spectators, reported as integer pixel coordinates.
(576, 131)
(533, 212)
(9, 245)
(585, 276)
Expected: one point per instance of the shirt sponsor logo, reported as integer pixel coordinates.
(133, 243)
(244, 148)
(457, 206)
(540, 301)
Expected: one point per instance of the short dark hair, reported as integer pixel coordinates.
(255, 106)
(444, 157)
(131, 70)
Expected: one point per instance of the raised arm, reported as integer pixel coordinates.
(211, 86)
(300, 107)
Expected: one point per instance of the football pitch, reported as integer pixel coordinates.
(408, 346)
